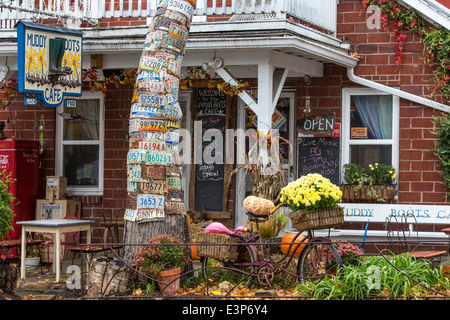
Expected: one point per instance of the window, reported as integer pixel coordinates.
(80, 144)
(369, 127)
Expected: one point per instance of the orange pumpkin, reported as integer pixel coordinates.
(288, 239)
(194, 252)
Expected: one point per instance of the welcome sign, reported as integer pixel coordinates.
(49, 61)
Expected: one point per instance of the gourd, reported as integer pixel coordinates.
(288, 239)
(258, 205)
(194, 251)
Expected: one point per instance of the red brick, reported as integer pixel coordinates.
(422, 186)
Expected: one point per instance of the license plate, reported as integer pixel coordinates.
(159, 158)
(153, 86)
(150, 201)
(149, 75)
(182, 7)
(155, 187)
(132, 186)
(162, 23)
(174, 124)
(173, 111)
(149, 135)
(149, 63)
(147, 215)
(171, 85)
(175, 207)
(152, 145)
(134, 143)
(147, 99)
(152, 125)
(174, 195)
(165, 57)
(134, 125)
(182, 19)
(172, 136)
(172, 147)
(173, 171)
(134, 173)
(130, 215)
(178, 30)
(138, 111)
(172, 98)
(174, 67)
(173, 43)
(136, 156)
(153, 172)
(174, 183)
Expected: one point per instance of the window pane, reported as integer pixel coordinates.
(370, 154)
(371, 117)
(82, 122)
(81, 165)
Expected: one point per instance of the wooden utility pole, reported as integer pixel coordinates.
(155, 203)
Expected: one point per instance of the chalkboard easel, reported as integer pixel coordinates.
(209, 181)
(318, 154)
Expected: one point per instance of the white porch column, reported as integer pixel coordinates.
(264, 110)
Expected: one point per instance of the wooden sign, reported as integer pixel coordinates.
(322, 124)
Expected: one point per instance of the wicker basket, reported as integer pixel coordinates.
(320, 219)
(366, 193)
(222, 250)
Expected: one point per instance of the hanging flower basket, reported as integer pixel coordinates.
(368, 193)
(317, 219)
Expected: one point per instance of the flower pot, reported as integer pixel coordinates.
(367, 193)
(166, 277)
(32, 263)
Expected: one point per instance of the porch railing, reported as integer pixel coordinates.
(320, 13)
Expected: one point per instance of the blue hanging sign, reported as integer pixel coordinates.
(49, 61)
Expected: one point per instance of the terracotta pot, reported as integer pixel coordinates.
(166, 277)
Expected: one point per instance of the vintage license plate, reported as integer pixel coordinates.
(132, 186)
(173, 124)
(171, 85)
(148, 215)
(178, 30)
(152, 145)
(152, 125)
(134, 143)
(153, 172)
(154, 86)
(149, 75)
(154, 186)
(174, 67)
(130, 214)
(172, 148)
(138, 111)
(148, 99)
(183, 7)
(134, 173)
(159, 158)
(165, 57)
(136, 156)
(180, 18)
(171, 98)
(173, 111)
(150, 201)
(134, 125)
(174, 195)
(149, 135)
(173, 43)
(174, 183)
(148, 63)
(175, 207)
(173, 171)
(172, 136)
(162, 23)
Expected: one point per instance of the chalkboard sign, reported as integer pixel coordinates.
(319, 155)
(209, 175)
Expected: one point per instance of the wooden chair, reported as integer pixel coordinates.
(106, 231)
(400, 231)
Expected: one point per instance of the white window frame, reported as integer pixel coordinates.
(346, 142)
(87, 95)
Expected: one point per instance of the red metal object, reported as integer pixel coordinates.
(22, 159)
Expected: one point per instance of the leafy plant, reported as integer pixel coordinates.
(382, 173)
(354, 173)
(6, 201)
(164, 252)
(441, 128)
(272, 227)
(398, 277)
(350, 254)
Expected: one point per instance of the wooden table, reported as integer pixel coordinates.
(57, 227)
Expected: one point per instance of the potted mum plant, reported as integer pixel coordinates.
(377, 185)
(162, 259)
(314, 202)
